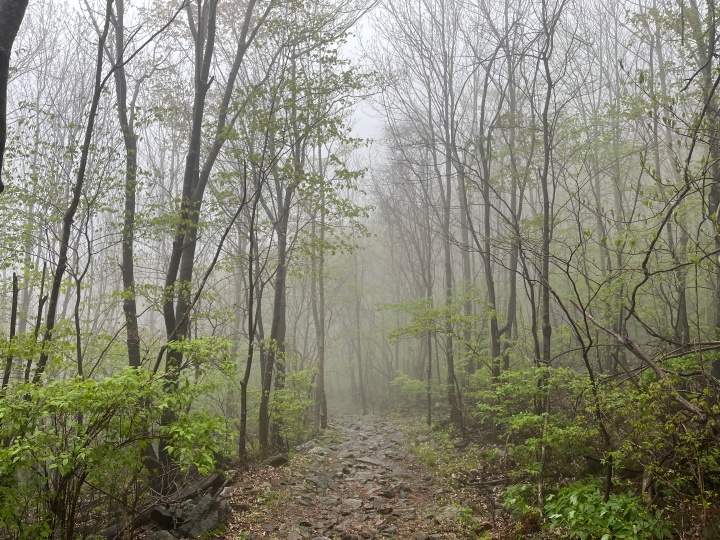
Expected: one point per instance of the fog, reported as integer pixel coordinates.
(279, 214)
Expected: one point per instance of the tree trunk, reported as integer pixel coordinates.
(358, 339)
(275, 354)
(125, 116)
(318, 309)
(13, 324)
(11, 16)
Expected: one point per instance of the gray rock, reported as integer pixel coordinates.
(162, 516)
(306, 446)
(319, 480)
(355, 504)
(374, 462)
(208, 514)
(364, 477)
(227, 492)
(277, 461)
(449, 513)
(160, 535)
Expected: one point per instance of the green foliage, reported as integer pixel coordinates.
(71, 438)
(580, 508)
(207, 352)
(289, 407)
(427, 454)
(427, 318)
(519, 497)
(410, 389)
(675, 453)
(513, 407)
(469, 525)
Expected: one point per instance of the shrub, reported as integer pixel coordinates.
(580, 509)
(63, 443)
(411, 390)
(290, 406)
(512, 404)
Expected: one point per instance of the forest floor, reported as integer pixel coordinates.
(366, 478)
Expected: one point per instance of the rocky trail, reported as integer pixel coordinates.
(356, 482)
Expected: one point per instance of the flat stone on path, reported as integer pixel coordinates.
(375, 462)
(352, 503)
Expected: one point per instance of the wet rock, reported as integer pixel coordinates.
(374, 462)
(449, 513)
(312, 443)
(162, 517)
(319, 480)
(208, 514)
(277, 461)
(354, 504)
(364, 477)
(406, 514)
(160, 535)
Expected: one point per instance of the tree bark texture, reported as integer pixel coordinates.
(11, 16)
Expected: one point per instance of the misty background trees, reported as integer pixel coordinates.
(192, 193)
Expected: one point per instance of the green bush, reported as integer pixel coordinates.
(411, 390)
(63, 443)
(512, 404)
(289, 407)
(580, 509)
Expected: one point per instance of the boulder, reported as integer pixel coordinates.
(277, 461)
(208, 514)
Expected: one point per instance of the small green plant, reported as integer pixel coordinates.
(268, 498)
(426, 454)
(580, 509)
(470, 526)
(518, 497)
(519, 501)
(217, 532)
